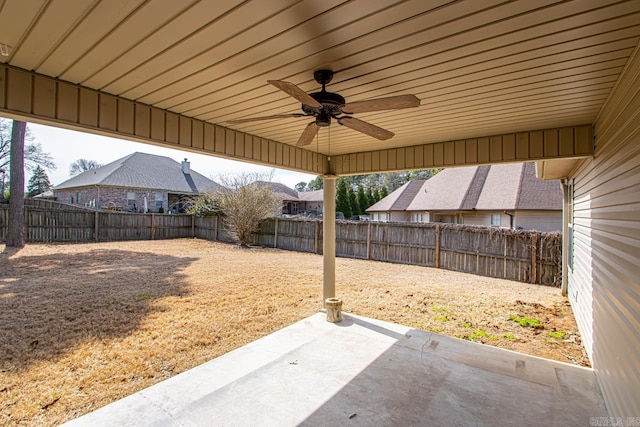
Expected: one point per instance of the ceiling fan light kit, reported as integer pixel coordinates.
(324, 106)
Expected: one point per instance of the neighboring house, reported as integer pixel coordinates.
(296, 202)
(311, 201)
(507, 195)
(134, 182)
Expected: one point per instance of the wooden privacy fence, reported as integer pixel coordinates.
(62, 225)
(525, 256)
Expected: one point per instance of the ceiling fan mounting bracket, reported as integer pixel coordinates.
(323, 76)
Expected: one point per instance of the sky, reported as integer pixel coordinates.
(67, 146)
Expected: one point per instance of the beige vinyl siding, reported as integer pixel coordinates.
(538, 220)
(484, 218)
(604, 285)
(477, 219)
(399, 217)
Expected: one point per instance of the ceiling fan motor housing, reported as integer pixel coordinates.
(331, 103)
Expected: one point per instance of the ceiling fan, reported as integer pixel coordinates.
(325, 105)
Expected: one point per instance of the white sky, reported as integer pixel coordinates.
(67, 146)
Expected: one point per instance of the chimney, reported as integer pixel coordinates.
(186, 167)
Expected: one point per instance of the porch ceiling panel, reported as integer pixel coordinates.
(480, 68)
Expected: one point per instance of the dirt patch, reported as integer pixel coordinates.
(84, 325)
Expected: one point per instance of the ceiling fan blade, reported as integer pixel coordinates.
(366, 128)
(379, 104)
(255, 119)
(308, 134)
(294, 91)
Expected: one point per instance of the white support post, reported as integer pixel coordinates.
(329, 238)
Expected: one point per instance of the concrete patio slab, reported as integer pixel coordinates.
(363, 372)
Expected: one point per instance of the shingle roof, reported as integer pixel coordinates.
(537, 193)
(501, 187)
(280, 190)
(399, 199)
(311, 196)
(141, 170)
(444, 191)
(495, 187)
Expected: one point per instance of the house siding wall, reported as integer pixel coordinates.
(484, 219)
(399, 217)
(536, 220)
(478, 219)
(604, 284)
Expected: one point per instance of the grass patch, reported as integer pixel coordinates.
(441, 319)
(509, 336)
(466, 324)
(143, 297)
(527, 322)
(481, 333)
(556, 334)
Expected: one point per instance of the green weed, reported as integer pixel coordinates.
(527, 322)
(556, 334)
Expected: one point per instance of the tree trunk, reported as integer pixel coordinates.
(15, 232)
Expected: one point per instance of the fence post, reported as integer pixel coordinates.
(504, 268)
(193, 226)
(535, 238)
(153, 227)
(275, 235)
(317, 237)
(216, 229)
(368, 240)
(437, 254)
(95, 225)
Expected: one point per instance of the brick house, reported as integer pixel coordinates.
(134, 182)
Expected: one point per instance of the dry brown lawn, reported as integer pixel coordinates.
(84, 325)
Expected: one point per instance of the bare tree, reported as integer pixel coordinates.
(83, 165)
(34, 156)
(245, 200)
(15, 231)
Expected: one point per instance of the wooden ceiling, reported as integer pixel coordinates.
(479, 67)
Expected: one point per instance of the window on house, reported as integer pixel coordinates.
(78, 197)
(131, 199)
(158, 201)
(495, 220)
(295, 208)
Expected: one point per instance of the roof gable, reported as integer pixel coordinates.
(399, 199)
(501, 187)
(444, 191)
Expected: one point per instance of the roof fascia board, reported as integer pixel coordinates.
(542, 144)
